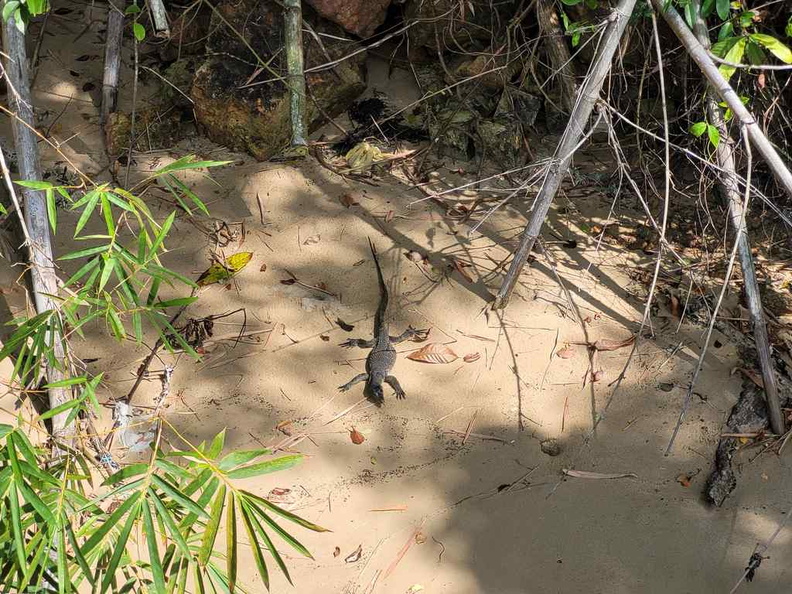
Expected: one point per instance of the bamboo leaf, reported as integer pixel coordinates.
(125, 473)
(59, 409)
(153, 550)
(283, 513)
(217, 445)
(260, 468)
(16, 525)
(90, 205)
(231, 542)
(236, 458)
(105, 527)
(120, 546)
(188, 162)
(52, 211)
(177, 495)
(173, 530)
(210, 532)
(275, 527)
(84, 253)
(254, 544)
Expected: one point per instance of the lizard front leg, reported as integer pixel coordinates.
(394, 383)
(357, 379)
(357, 342)
(410, 334)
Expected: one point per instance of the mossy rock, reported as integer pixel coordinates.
(256, 118)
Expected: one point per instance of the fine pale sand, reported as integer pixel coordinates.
(430, 507)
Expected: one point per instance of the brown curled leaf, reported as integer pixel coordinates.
(603, 344)
(470, 357)
(566, 353)
(460, 268)
(356, 436)
(434, 352)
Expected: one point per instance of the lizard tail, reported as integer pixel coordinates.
(383, 289)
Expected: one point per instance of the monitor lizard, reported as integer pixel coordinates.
(382, 356)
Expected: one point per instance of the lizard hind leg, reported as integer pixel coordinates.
(410, 334)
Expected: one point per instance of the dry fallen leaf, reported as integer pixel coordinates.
(336, 551)
(566, 353)
(603, 344)
(420, 538)
(460, 268)
(284, 427)
(279, 495)
(324, 337)
(434, 352)
(263, 268)
(598, 475)
(597, 375)
(676, 307)
(389, 216)
(470, 357)
(344, 326)
(288, 281)
(356, 436)
(355, 555)
(684, 480)
(313, 239)
(349, 199)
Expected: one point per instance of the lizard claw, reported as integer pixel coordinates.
(418, 335)
(347, 344)
(343, 388)
(400, 395)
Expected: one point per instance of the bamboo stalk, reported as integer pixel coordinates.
(43, 279)
(112, 62)
(731, 191)
(292, 14)
(710, 70)
(159, 17)
(559, 165)
(557, 50)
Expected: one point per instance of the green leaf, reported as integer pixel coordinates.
(755, 53)
(173, 530)
(231, 542)
(52, 211)
(236, 458)
(179, 497)
(153, 550)
(34, 185)
(254, 544)
(690, 13)
(59, 409)
(8, 9)
(722, 8)
(722, 47)
(132, 9)
(788, 29)
(775, 46)
(120, 548)
(210, 532)
(175, 302)
(72, 381)
(188, 162)
(285, 514)
(96, 537)
(735, 56)
(90, 205)
(698, 129)
(707, 7)
(217, 445)
(139, 31)
(267, 467)
(125, 473)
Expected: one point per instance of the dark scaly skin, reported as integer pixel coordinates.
(382, 357)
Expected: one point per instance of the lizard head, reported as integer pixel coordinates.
(373, 389)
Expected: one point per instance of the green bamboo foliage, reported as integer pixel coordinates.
(155, 526)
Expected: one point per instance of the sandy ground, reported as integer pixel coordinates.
(460, 515)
